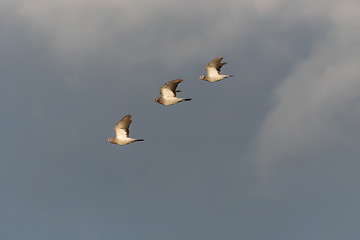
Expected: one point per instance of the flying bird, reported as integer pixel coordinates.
(213, 73)
(169, 93)
(122, 132)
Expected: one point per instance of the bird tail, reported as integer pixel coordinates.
(231, 75)
(139, 140)
(187, 99)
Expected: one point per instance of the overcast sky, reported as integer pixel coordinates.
(272, 153)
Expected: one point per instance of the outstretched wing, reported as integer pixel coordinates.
(221, 64)
(122, 127)
(213, 67)
(169, 89)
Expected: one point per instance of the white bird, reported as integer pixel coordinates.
(213, 73)
(168, 93)
(122, 132)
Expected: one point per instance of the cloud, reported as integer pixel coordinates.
(317, 103)
(312, 103)
(142, 31)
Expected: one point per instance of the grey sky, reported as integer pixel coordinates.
(269, 154)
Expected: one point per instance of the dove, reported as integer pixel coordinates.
(213, 73)
(122, 132)
(169, 93)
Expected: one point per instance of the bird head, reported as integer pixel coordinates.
(156, 99)
(202, 77)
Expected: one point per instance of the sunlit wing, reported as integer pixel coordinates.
(122, 127)
(169, 89)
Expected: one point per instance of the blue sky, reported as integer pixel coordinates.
(271, 153)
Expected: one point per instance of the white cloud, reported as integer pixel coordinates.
(79, 29)
(316, 104)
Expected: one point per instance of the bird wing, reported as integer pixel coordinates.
(213, 67)
(122, 127)
(221, 64)
(169, 89)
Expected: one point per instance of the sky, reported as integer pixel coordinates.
(271, 153)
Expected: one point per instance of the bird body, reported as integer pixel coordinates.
(123, 141)
(213, 73)
(171, 100)
(169, 94)
(122, 132)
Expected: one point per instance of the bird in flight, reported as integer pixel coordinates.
(169, 93)
(213, 73)
(122, 132)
